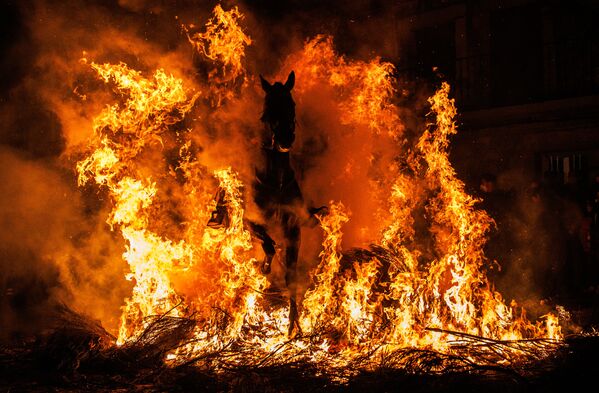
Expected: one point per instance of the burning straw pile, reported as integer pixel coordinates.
(77, 354)
(415, 302)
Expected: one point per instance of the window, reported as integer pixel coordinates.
(516, 55)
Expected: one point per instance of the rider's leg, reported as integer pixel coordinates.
(220, 216)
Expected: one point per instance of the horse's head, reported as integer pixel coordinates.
(279, 112)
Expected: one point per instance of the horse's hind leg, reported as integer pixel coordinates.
(293, 238)
(268, 245)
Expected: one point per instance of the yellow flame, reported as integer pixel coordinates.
(319, 302)
(223, 42)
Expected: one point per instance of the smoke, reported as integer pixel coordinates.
(536, 246)
(52, 249)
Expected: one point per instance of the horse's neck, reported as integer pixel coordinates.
(277, 157)
(277, 161)
(276, 184)
(277, 167)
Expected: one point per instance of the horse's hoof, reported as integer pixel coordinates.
(294, 330)
(317, 214)
(265, 267)
(319, 211)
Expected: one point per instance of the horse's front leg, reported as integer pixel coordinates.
(268, 245)
(293, 238)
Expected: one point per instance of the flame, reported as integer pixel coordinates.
(399, 294)
(122, 132)
(320, 301)
(223, 42)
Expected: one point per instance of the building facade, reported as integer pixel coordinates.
(526, 80)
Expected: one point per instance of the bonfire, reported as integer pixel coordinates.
(389, 293)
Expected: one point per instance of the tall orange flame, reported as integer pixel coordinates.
(223, 42)
(398, 294)
(122, 132)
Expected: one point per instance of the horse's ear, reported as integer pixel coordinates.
(265, 85)
(290, 81)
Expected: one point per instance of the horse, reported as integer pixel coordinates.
(276, 191)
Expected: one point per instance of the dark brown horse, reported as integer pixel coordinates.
(276, 190)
